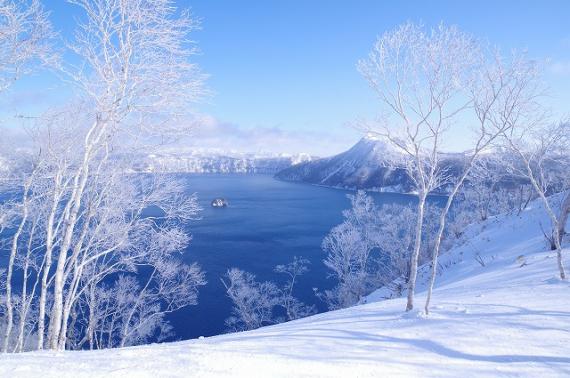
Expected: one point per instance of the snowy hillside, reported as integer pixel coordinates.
(499, 310)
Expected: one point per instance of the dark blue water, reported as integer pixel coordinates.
(266, 224)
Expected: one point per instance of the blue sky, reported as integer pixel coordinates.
(283, 72)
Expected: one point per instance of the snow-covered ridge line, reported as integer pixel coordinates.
(214, 162)
(498, 310)
(208, 162)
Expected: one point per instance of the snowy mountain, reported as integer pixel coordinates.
(366, 166)
(363, 166)
(218, 162)
(498, 310)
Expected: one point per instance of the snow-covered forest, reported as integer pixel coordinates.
(469, 275)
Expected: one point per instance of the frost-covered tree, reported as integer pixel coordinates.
(430, 83)
(490, 189)
(256, 304)
(127, 222)
(349, 247)
(540, 155)
(85, 217)
(253, 302)
(292, 306)
(501, 93)
(131, 312)
(396, 242)
(25, 39)
(131, 82)
(419, 77)
(372, 248)
(25, 45)
(346, 250)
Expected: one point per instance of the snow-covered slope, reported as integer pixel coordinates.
(506, 315)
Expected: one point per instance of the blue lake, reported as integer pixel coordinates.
(266, 223)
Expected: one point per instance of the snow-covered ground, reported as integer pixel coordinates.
(510, 317)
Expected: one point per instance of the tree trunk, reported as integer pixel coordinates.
(59, 282)
(71, 214)
(440, 231)
(416, 253)
(26, 303)
(13, 251)
(91, 325)
(11, 260)
(48, 261)
(435, 253)
(555, 234)
(563, 217)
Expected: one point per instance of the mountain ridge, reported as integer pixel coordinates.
(364, 166)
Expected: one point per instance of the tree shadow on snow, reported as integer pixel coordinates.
(368, 345)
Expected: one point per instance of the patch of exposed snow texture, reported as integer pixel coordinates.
(509, 316)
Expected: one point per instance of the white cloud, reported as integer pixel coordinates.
(560, 67)
(211, 133)
(208, 134)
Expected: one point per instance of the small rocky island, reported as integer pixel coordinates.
(219, 202)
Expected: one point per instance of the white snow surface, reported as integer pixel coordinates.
(510, 317)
